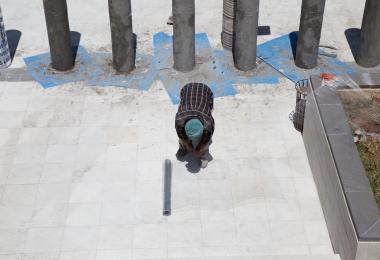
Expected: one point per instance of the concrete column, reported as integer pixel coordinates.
(309, 34)
(58, 29)
(123, 40)
(245, 39)
(184, 34)
(369, 51)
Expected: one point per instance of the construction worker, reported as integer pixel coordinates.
(194, 123)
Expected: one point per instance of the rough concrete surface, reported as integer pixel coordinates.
(184, 34)
(245, 35)
(58, 29)
(309, 35)
(123, 40)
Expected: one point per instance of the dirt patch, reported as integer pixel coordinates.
(362, 108)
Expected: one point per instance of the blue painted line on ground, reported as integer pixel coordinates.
(39, 68)
(279, 54)
(214, 68)
(262, 74)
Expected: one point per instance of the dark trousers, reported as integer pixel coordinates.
(203, 153)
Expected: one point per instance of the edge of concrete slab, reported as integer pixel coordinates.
(351, 213)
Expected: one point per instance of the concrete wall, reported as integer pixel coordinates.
(351, 213)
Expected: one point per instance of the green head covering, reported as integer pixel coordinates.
(194, 129)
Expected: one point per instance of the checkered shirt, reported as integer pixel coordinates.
(197, 102)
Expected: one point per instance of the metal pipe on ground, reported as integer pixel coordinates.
(369, 50)
(167, 187)
(245, 39)
(309, 34)
(184, 34)
(123, 39)
(57, 23)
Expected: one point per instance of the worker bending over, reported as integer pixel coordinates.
(194, 123)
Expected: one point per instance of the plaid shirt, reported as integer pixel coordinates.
(197, 101)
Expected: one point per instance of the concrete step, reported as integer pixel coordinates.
(263, 257)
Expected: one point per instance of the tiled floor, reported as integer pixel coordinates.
(81, 177)
(81, 167)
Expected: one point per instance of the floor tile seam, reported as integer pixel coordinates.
(29, 99)
(329, 245)
(271, 222)
(307, 237)
(63, 237)
(200, 215)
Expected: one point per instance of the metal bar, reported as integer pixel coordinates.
(184, 34)
(123, 40)
(369, 50)
(309, 34)
(245, 42)
(167, 187)
(57, 23)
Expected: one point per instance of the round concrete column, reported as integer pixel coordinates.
(58, 29)
(184, 34)
(369, 51)
(245, 39)
(123, 40)
(309, 34)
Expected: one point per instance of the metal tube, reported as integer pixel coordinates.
(123, 40)
(167, 187)
(245, 42)
(58, 29)
(369, 50)
(309, 34)
(184, 34)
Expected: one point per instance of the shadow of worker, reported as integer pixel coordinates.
(13, 37)
(193, 163)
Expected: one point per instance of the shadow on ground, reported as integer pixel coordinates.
(13, 37)
(75, 41)
(293, 37)
(193, 164)
(353, 39)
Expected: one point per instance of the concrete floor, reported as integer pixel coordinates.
(81, 167)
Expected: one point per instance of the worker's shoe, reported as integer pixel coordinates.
(170, 21)
(181, 153)
(204, 163)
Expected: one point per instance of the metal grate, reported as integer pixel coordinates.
(298, 115)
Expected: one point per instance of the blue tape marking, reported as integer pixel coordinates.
(163, 49)
(38, 67)
(174, 81)
(214, 68)
(163, 52)
(279, 54)
(262, 74)
(141, 78)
